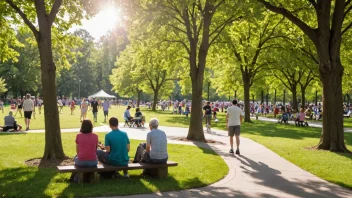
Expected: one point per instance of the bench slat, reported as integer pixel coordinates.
(104, 167)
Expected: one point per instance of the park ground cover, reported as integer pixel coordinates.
(196, 168)
(290, 142)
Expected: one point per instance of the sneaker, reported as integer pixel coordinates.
(231, 151)
(27, 129)
(126, 175)
(238, 152)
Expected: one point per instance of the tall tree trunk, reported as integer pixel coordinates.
(196, 131)
(333, 131)
(262, 97)
(246, 86)
(253, 98)
(284, 99)
(267, 99)
(275, 97)
(303, 94)
(294, 99)
(156, 94)
(316, 98)
(139, 97)
(53, 144)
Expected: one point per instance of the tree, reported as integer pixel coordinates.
(330, 22)
(47, 13)
(123, 80)
(249, 42)
(195, 26)
(22, 74)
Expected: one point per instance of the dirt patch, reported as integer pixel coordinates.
(187, 140)
(38, 162)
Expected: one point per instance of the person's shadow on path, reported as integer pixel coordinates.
(272, 178)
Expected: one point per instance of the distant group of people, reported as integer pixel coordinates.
(116, 147)
(85, 105)
(28, 106)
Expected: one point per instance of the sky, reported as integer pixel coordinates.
(101, 23)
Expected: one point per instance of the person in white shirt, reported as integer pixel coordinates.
(234, 120)
(28, 107)
(60, 104)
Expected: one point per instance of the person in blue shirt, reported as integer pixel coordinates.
(127, 115)
(117, 146)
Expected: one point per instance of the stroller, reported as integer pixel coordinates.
(284, 118)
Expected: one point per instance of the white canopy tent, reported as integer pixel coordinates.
(101, 94)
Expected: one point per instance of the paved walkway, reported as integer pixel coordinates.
(258, 172)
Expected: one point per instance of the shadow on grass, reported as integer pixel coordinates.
(23, 182)
(280, 130)
(12, 133)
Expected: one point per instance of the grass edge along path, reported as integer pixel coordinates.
(196, 169)
(288, 141)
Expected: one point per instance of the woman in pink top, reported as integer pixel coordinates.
(86, 146)
(302, 115)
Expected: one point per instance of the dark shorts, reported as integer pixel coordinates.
(28, 114)
(234, 130)
(19, 106)
(106, 113)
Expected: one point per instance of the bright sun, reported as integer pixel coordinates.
(104, 21)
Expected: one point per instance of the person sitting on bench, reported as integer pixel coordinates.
(117, 146)
(138, 117)
(301, 117)
(155, 150)
(86, 146)
(10, 123)
(127, 115)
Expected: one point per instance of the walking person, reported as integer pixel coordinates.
(19, 107)
(94, 106)
(106, 106)
(40, 104)
(72, 106)
(28, 107)
(207, 116)
(35, 104)
(84, 109)
(234, 120)
(60, 104)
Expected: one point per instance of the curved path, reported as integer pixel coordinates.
(258, 172)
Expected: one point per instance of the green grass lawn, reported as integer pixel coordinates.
(347, 121)
(290, 142)
(196, 168)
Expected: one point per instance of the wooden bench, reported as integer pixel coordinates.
(90, 174)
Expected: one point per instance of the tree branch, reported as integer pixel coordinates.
(54, 10)
(314, 4)
(346, 28)
(309, 31)
(24, 17)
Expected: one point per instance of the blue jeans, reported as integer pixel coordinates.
(88, 163)
(103, 157)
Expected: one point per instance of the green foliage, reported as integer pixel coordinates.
(3, 88)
